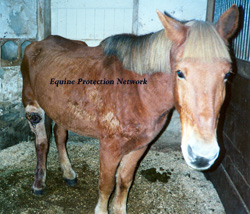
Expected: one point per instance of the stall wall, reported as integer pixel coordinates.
(232, 177)
(14, 16)
(18, 21)
(92, 21)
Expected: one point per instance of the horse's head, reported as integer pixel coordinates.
(200, 63)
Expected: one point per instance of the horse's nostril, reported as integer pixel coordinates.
(200, 162)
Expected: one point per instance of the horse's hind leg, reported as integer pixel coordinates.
(36, 117)
(124, 177)
(61, 136)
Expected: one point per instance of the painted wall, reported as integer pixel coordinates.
(13, 125)
(93, 21)
(18, 19)
(182, 10)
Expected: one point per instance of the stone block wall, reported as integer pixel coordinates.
(13, 125)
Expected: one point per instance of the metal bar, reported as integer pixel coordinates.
(210, 10)
(135, 17)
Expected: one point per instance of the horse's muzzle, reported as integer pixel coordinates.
(199, 162)
(200, 155)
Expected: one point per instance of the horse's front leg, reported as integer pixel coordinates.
(124, 177)
(110, 157)
(36, 117)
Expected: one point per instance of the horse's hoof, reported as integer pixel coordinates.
(38, 192)
(71, 182)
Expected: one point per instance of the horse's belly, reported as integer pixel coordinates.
(76, 120)
(71, 113)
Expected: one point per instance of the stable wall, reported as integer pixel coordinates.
(92, 21)
(232, 177)
(14, 16)
(18, 21)
(20, 25)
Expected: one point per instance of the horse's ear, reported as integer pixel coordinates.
(228, 23)
(175, 30)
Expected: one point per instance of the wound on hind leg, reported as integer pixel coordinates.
(33, 117)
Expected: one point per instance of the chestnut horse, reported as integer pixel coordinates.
(121, 93)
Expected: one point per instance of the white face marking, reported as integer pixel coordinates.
(198, 153)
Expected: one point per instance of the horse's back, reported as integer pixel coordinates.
(32, 55)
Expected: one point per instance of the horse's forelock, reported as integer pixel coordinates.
(203, 43)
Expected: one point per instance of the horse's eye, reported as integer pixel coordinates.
(180, 74)
(227, 76)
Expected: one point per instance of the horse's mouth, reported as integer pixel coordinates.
(201, 163)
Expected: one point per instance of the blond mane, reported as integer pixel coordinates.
(142, 54)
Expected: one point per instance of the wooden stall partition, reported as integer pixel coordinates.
(231, 177)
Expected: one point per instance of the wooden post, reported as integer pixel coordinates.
(43, 19)
(210, 10)
(135, 17)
